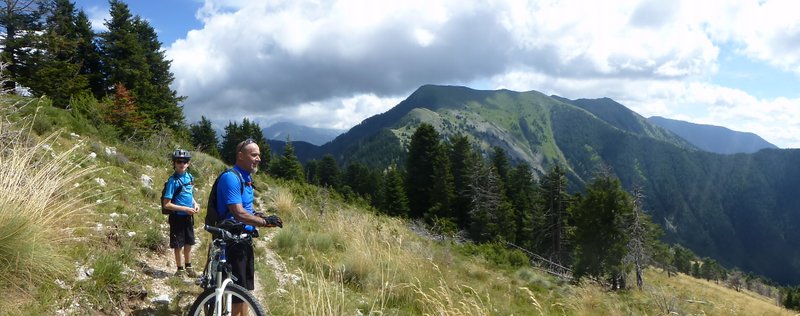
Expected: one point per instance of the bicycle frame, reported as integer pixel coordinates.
(221, 284)
(218, 282)
(218, 259)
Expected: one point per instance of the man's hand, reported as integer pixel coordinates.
(272, 220)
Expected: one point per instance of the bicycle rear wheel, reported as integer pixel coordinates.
(205, 303)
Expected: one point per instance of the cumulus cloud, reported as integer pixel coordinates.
(335, 63)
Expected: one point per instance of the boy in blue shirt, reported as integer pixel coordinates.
(179, 200)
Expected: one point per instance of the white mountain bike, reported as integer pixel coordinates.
(220, 291)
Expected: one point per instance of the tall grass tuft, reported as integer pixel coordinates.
(41, 201)
(282, 199)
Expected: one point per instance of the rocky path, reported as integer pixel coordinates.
(158, 269)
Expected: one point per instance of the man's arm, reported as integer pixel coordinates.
(245, 217)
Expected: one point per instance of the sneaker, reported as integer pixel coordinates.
(180, 273)
(190, 272)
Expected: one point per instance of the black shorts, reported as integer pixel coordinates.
(242, 261)
(181, 231)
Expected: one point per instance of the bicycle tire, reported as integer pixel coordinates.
(204, 304)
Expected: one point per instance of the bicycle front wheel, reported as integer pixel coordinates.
(206, 304)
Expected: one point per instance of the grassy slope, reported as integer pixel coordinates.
(340, 257)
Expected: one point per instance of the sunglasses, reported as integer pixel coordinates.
(244, 143)
(181, 161)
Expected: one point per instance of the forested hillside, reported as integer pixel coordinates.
(723, 206)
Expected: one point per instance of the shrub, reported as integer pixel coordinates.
(355, 270)
(42, 124)
(499, 255)
(287, 241)
(85, 106)
(152, 239)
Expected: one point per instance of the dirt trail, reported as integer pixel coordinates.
(157, 270)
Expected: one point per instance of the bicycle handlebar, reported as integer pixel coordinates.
(226, 235)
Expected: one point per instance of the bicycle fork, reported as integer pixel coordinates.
(221, 284)
(218, 295)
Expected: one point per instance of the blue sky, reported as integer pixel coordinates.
(733, 63)
(756, 77)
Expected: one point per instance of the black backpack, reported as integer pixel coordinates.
(212, 217)
(174, 194)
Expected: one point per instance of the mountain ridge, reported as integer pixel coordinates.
(297, 132)
(716, 139)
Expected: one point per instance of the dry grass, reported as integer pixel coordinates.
(42, 199)
(698, 296)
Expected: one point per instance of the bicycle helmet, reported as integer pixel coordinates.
(181, 154)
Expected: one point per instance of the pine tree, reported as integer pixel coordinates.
(395, 202)
(491, 216)
(132, 55)
(421, 169)
(363, 181)
(312, 168)
(233, 135)
(600, 234)
(88, 55)
(499, 159)
(21, 21)
(288, 167)
(442, 191)
(163, 101)
(463, 159)
(790, 301)
(682, 259)
(485, 197)
(328, 172)
(122, 54)
(522, 193)
(552, 217)
(638, 255)
(56, 73)
(204, 138)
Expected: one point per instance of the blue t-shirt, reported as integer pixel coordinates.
(185, 197)
(229, 192)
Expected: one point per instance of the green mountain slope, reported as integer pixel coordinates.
(739, 209)
(623, 118)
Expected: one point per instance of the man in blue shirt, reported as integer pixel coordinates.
(237, 204)
(179, 199)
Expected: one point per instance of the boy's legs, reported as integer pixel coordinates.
(177, 240)
(178, 261)
(187, 256)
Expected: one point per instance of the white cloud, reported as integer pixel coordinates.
(334, 63)
(97, 17)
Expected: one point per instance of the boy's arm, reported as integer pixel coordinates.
(167, 203)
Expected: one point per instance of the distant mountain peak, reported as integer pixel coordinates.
(712, 138)
(295, 132)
